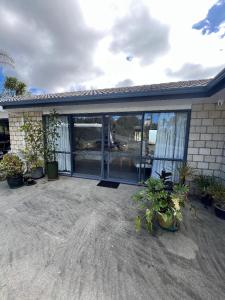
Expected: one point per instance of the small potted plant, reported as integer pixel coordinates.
(219, 200)
(34, 147)
(51, 138)
(157, 203)
(12, 167)
(185, 172)
(204, 185)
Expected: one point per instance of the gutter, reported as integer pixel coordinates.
(181, 93)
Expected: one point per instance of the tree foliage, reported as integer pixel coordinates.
(14, 85)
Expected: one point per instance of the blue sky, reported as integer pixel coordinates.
(130, 42)
(213, 21)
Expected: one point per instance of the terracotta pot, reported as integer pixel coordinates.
(170, 224)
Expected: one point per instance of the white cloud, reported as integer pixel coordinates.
(64, 45)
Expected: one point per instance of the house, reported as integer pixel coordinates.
(127, 134)
(4, 133)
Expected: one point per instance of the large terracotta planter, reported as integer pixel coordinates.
(170, 224)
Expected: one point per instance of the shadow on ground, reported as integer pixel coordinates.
(70, 239)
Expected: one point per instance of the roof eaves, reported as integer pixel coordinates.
(167, 94)
(217, 83)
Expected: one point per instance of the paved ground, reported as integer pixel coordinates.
(70, 239)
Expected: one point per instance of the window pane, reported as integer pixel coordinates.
(64, 162)
(164, 137)
(87, 145)
(63, 144)
(125, 145)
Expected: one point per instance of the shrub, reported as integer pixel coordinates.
(11, 165)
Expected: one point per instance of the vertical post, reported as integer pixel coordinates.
(141, 148)
(187, 135)
(70, 121)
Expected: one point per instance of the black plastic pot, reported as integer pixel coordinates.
(37, 173)
(207, 200)
(15, 181)
(52, 170)
(219, 212)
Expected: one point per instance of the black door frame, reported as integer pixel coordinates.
(103, 115)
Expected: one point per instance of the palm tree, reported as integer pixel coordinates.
(14, 85)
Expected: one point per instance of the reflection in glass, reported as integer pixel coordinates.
(88, 145)
(63, 145)
(4, 136)
(124, 146)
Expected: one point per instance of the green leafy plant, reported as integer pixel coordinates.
(185, 171)
(217, 191)
(11, 165)
(52, 136)
(155, 200)
(34, 142)
(205, 183)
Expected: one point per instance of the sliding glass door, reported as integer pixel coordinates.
(87, 145)
(124, 147)
(164, 140)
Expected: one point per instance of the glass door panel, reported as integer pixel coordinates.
(124, 146)
(87, 146)
(164, 137)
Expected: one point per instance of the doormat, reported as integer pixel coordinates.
(108, 184)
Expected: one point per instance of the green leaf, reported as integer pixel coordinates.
(137, 223)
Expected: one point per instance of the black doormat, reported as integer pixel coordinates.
(109, 184)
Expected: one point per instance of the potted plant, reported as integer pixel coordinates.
(34, 146)
(218, 192)
(185, 171)
(204, 185)
(12, 167)
(157, 203)
(51, 138)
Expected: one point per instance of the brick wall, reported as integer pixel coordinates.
(206, 149)
(16, 136)
(207, 139)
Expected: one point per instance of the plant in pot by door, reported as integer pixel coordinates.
(12, 167)
(204, 185)
(185, 172)
(34, 146)
(157, 203)
(51, 138)
(218, 191)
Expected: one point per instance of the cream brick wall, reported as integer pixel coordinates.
(206, 149)
(16, 119)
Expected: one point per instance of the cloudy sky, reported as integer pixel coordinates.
(80, 44)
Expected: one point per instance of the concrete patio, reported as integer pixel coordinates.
(70, 239)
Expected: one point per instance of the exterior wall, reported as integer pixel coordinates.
(3, 114)
(16, 119)
(206, 148)
(207, 139)
(222, 171)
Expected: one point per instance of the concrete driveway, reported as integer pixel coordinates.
(70, 239)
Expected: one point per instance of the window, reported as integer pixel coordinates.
(164, 137)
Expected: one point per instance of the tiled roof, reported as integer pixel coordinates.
(111, 92)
